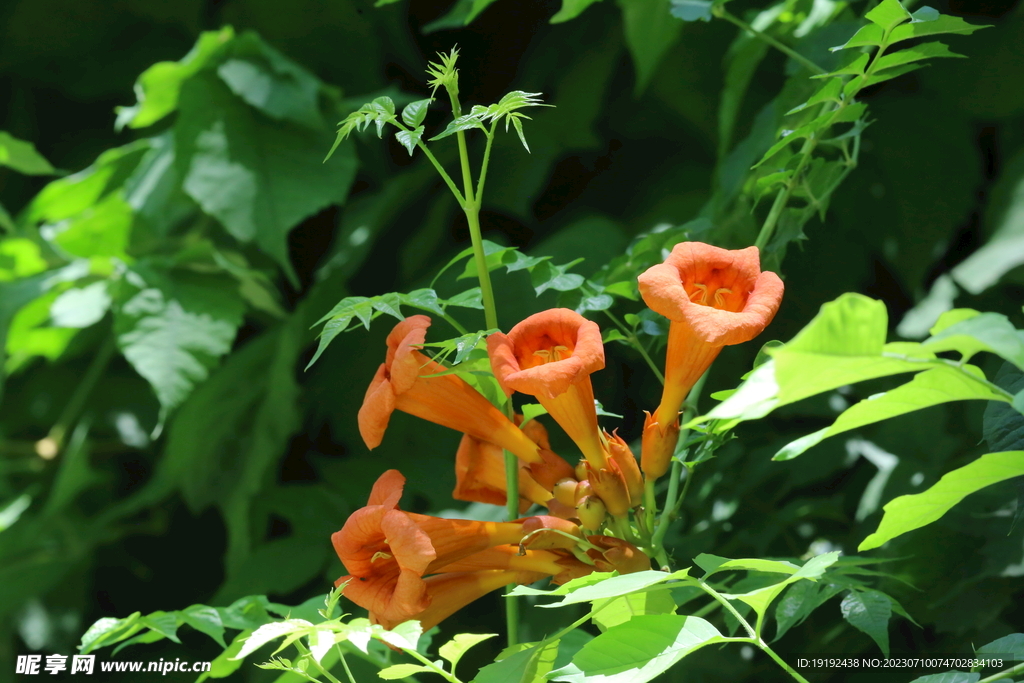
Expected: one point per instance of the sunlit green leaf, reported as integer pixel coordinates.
(887, 14)
(22, 156)
(942, 24)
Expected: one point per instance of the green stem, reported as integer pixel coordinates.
(1003, 674)
(55, 438)
(344, 663)
(486, 161)
(444, 175)
(720, 11)
(719, 598)
(433, 667)
(635, 342)
(302, 649)
(650, 505)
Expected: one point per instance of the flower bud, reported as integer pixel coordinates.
(591, 512)
(583, 488)
(624, 458)
(658, 446)
(565, 491)
(581, 469)
(610, 486)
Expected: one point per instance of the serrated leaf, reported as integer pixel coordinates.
(712, 564)
(869, 611)
(949, 677)
(410, 138)
(416, 112)
(614, 611)
(941, 24)
(164, 623)
(531, 664)
(545, 276)
(425, 299)
(107, 631)
(616, 586)
(888, 14)
(989, 332)
(910, 512)
(866, 36)
(453, 650)
(914, 54)
(471, 298)
(827, 93)
(272, 631)
(799, 600)
(889, 74)
(1012, 645)
(405, 636)
(464, 122)
(173, 329)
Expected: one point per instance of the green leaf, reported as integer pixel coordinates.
(464, 122)
(914, 54)
(1012, 645)
(272, 631)
(1002, 426)
(108, 631)
(692, 10)
(949, 677)
(173, 329)
(869, 611)
(159, 86)
(416, 112)
(762, 598)
(910, 512)
(80, 307)
(471, 298)
(942, 24)
(800, 599)
(888, 14)
(830, 92)
(398, 671)
(616, 586)
(529, 665)
(649, 36)
(990, 332)
(406, 635)
(742, 60)
(570, 10)
(867, 36)
(271, 82)
(259, 178)
(889, 74)
(205, 620)
(638, 650)
(22, 156)
(611, 612)
(410, 138)
(100, 230)
(453, 650)
(545, 276)
(939, 385)
(164, 623)
(225, 663)
(713, 564)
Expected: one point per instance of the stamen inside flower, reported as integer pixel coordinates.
(381, 555)
(554, 354)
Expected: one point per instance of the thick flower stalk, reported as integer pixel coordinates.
(551, 355)
(715, 298)
(413, 383)
(389, 552)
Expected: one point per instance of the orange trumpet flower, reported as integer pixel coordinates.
(551, 355)
(615, 554)
(387, 551)
(410, 381)
(714, 298)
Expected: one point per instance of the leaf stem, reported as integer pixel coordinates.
(302, 649)
(1003, 674)
(344, 663)
(52, 444)
(720, 11)
(433, 667)
(635, 343)
(444, 174)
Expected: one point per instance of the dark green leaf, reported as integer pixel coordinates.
(471, 298)
(1002, 426)
(869, 35)
(869, 611)
(547, 276)
(205, 620)
(257, 177)
(949, 677)
(914, 54)
(895, 72)
(173, 329)
(990, 332)
(529, 665)
(1012, 645)
(649, 35)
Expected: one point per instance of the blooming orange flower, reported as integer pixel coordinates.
(445, 594)
(387, 551)
(410, 381)
(714, 298)
(551, 355)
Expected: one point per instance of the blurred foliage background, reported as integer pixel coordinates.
(229, 480)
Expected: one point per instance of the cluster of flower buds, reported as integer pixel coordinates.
(405, 566)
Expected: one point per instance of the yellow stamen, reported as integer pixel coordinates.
(720, 295)
(380, 555)
(701, 294)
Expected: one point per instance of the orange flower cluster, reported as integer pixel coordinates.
(407, 566)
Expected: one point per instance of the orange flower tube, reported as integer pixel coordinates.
(551, 356)
(404, 382)
(715, 298)
(480, 476)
